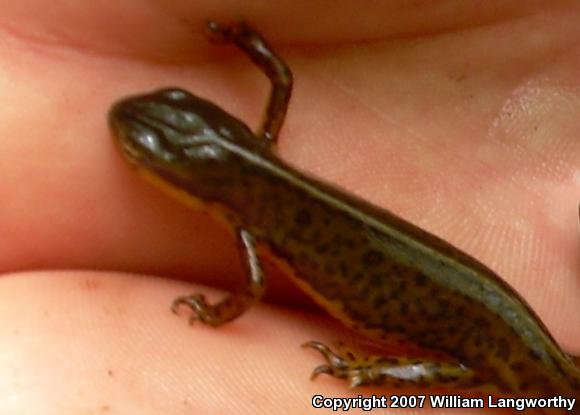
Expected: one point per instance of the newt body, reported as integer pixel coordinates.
(367, 267)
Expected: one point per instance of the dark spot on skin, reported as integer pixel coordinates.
(534, 355)
(320, 249)
(517, 366)
(356, 313)
(373, 258)
(420, 307)
(343, 268)
(330, 268)
(353, 277)
(431, 337)
(363, 294)
(441, 378)
(479, 357)
(316, 235)
(335, 251)
(404, 309)
(393, 294)
(378, 301)
(503, 349)
(350, 243)
(303, 218)
(481, 322)
(420, 280)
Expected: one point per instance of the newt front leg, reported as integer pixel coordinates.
(280, 76)
(234, 305)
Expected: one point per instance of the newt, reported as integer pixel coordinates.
(375, 272)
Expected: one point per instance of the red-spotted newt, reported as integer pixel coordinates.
(375, 272)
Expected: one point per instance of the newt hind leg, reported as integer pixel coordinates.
(392, 371)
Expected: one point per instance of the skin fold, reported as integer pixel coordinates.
(404, 109)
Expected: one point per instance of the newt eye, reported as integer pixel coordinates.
(182, 120)
(143, 141)
(205, 152)
(174, 94)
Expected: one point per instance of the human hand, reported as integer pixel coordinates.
(464, 123)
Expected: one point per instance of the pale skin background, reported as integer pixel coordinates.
(463, 117)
